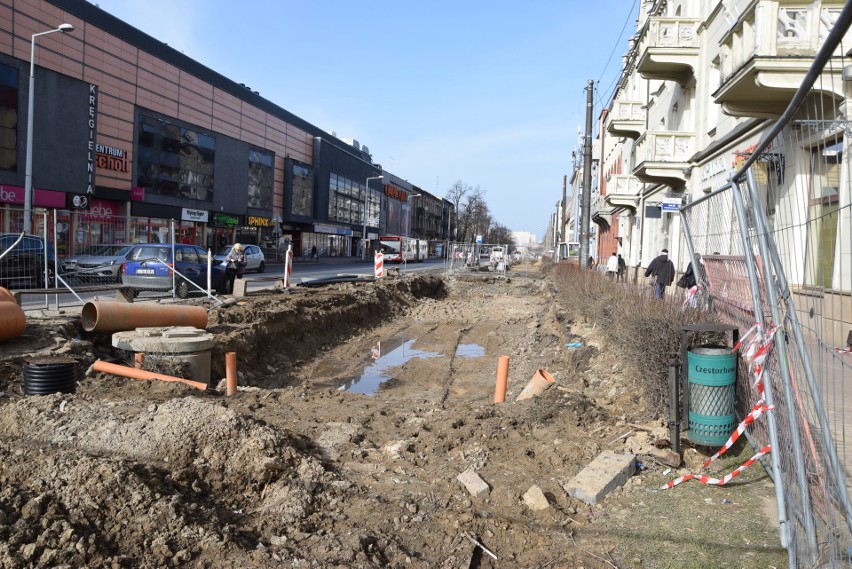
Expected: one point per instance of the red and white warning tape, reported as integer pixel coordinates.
(752, 416)
(691, 295)
(717, 481)
(756, 352)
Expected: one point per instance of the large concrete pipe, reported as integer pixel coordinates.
(6, 295)
(119, 316)
(13, 322)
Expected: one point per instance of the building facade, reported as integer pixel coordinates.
(136, 136)
(698, 83)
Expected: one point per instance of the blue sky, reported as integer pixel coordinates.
(489, 93)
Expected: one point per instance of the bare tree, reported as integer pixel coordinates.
(501, 235)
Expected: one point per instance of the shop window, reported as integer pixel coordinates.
(8, 117)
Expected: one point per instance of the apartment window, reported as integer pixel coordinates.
(261, 174)
(8, 117)
(823, 213)
(175, 160)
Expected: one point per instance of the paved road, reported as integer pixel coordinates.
(302, 271)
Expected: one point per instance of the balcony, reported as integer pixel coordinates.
(662, 157)
(623, 192)
(670, 50)
(768, 52)
(627, 119)
(601, 211)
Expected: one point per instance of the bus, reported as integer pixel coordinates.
(397, 249)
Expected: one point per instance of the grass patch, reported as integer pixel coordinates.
(695, 526)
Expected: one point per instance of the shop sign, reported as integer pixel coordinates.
(225, 220)
(111, 158)
(199, 215)
(334, 230)
(137, 194)
(78, 201)
(396, 193)
(254, 221)
(100, 209)
(41, 198)
(92, 124)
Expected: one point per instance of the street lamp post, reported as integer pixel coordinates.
(366, 197)
(28, 175)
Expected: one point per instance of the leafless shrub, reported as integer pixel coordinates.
(642, 329)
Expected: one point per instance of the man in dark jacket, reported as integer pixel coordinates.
(663, 271)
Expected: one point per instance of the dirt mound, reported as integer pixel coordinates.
(299, 469)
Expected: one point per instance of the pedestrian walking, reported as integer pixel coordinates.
(689, 279)
(612, 266)
(235, 266)
(314, 256)
(662, 273)
(622, 269)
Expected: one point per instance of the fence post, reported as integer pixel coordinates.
(767, 385)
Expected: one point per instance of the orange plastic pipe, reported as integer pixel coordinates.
(231, 373)
(502, 379)
(118, 316)
(6, 295)
(13, 321)
(541, 380)
(134, 373)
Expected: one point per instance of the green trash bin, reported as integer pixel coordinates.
(712, 375)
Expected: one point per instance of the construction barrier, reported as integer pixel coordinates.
(379, 262)
(288, 266)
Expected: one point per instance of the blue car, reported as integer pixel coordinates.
(24, 264)
(149, 267)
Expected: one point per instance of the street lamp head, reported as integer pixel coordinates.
(65, 28)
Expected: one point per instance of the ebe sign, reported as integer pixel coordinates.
(11, 195)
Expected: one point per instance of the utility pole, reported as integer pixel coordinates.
(587, 179)
(564, 225)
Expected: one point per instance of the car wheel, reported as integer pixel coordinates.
(182, 289)
(261, 267)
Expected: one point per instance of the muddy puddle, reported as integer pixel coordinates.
(469, 351)
(386, 356)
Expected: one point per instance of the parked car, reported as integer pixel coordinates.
(102, 262)
(255, 259)
(149, 267)
(24, 265)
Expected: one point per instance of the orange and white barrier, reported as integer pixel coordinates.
(380, 265)
(288, 266)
